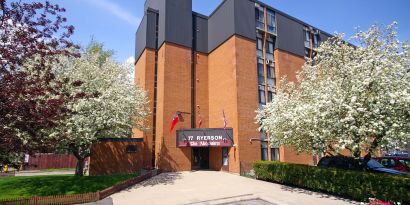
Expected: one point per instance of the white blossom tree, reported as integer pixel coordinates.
(109, 104)
(348, 97)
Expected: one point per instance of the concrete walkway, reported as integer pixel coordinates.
(43, 173)
(210, 187)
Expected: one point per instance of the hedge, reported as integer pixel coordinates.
(355, 185)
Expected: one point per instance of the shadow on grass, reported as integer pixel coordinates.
(56, 185)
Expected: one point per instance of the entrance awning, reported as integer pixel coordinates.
(205, 137)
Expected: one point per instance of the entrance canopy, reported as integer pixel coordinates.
(205, 137)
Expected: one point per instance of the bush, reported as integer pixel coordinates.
(355, 185)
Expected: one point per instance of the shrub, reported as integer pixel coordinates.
(355, 185)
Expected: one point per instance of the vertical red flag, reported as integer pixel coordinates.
(199, 121)
(225, 121)
(175, 120)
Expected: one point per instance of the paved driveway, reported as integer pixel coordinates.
(210, 187)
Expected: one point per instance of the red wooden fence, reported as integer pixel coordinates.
(54, 200)
(8, 174)
(78, 198)
(50, 161)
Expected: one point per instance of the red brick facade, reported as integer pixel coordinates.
(225, 79)
(112, 157)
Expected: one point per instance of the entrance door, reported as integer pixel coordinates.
(200, 158)
(225, 159)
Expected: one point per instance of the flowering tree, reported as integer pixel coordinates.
(111, 105)
(31, 35)
(354, 98)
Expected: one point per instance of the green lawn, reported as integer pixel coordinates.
(22, 186)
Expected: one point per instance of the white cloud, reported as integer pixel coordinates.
(130, 60)
(130, 64)
(117, 11)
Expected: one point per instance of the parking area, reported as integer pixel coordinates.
(211, 187)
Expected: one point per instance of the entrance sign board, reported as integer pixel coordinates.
(206, 137)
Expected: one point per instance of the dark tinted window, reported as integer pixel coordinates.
(324, 162)
(130, 148)
(405, 162)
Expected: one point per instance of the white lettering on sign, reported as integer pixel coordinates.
(198, 138)
(193, 143)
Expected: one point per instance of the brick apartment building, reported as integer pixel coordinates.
(201, 66)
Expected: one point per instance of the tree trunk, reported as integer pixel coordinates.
(373, 146)
(79, 169)
(356, 153)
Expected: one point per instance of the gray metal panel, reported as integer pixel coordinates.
(178, 22)
(221, 24)
(290, 35)
(289, 17)
(140, 38)
(160, 6)
(324, 37)
(245, 19)
(151, 22)
(201, 34)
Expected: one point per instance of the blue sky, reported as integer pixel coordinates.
(114, 22)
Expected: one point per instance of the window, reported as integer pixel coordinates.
(260, 19)
(314, 36)
(307, 38)
(264, 145)
(264, 150)
(262, 99)
(269, 50)
(271, 22)
(388, 163)
(307, 52)
(225, 156)
(269, 47)
(271, 76)
(274, 152)
(405, 162)
(315, 40)
(270, 72)
(259, 47)
(260, 67)
(130, 149)
(261, 79)
(270, 96)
